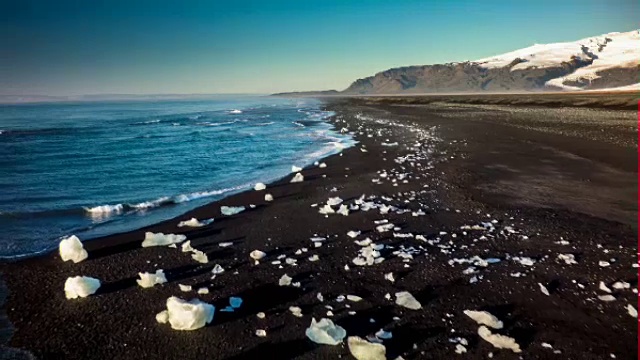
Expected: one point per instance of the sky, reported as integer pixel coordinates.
(80, 47)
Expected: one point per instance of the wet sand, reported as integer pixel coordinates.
(538, 174)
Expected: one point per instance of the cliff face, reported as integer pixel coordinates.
(600, 62)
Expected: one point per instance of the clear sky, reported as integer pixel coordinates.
(62, 47)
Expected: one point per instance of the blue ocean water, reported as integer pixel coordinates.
(93, 169)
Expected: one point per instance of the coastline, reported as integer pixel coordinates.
(121, 315)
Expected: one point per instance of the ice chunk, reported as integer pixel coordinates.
(361, 349)
(314, 257)
(632, 311)
(261, 333)
(261, 315)
(71, 249)
(385, 335)
(160, 239)
(543, 289)
(327, 209)
(389, 276)
(607, 298)
(285, 280)
(354, 298)
(296, 311)
(404, 298)
(343, 210)
(203, 291)
(148, 280)
(268, 197)
(184, 288)
(297, 178)
(322, 165)
(231, 210)
(460, 349)
(186, 246)
(186, 315)
(621, 285)
(259, 187)
(80, 286)
(295, 169)
(353, 234)
(200, 256)
(325, 332)
(217, 270)
(568, 259)
(193, 222)
(484, 318)
(257, 255)
(235, 302)
(498, 341)
(602, 286)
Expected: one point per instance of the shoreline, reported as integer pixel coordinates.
(441, 175)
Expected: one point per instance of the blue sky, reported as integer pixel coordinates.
(157, 46)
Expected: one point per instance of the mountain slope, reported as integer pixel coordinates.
(600, 62)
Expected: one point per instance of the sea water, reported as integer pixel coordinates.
(97, 168)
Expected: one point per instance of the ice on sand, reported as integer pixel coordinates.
(361, 349)
(632, 311)
(231, 210)
(498, 341)
(148, 280)
(326, 209)
(543, 289)
(193, 222)
(160, 239)
(184, 288)
(259, 187)
(285, 280)
(484, 318)
(200, 256)
(404, 298)
(325, 332)
(80, 286)
(268, 197)
(297, 178)
(295, 169)
(186, 315)
(257, 255)
(71, 249)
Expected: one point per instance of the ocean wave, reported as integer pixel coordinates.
(105, 209)
(147, 122)
(298, 123)
(265, 124)
(235, 111)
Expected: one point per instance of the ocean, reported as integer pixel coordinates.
(98, 168)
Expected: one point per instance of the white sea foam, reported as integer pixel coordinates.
(105, 209)
(235, 111)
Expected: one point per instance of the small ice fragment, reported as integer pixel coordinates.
(200, 256)
(80, 286)
(71, 249)
(259, 187)
(498, 341)
(186, 246)
(160, 239)
(325, 332)
(261, 333)
(203, 291)
(333, 201)
(148, 280)
(602, 286)
(340, 298)
(186, 315)
(217, 270)
(285, 280)
(389, 276)
(568, 259)
(354, 298)
(296, 311)
(184, 288)
(353, 234)
(385, 335)
(603, 263)
(297, 178)
(257, 255)
(484, 318)
(404, 298)
(543, 289)
(225, 244)
(261, 315)
(193, 222)
(460, 349)
(632, 311)
(326, 209)
(314, 257)
(607, 298)
(295, 169)
(621, 285)
(320, 297)
(268, 197)
(362, 349)
(235, 302)
(343, 210)
(231, 210)
(322, 165)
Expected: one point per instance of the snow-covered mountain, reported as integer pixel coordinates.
(609, 61)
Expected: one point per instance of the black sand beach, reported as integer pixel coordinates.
(549, 180)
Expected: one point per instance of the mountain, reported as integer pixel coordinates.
(601, 62)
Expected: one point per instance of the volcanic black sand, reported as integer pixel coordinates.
(538, 182)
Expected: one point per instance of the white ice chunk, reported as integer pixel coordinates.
(268, 197)
(200, 256)
(217, 270)
(285, 280)
(543, 289)
(186, 246)
(184, 288)
(361, 349)
(322, 165)
(354, 298)
(296, 311)
(203, 291)
(295, 169)
(325, 332)
(404, 298)
(193, 222)
(160, 239)
(297, 178)
(259, 187)
(602, 286)
(484, 318)
(326, 209)
(231, 210)
(353, 234)
(568, 259)
(148, 280)
(80, 286)
(71, 249)
(261, 333)
(257, 255)
(499, 341)
(333, 201)
(632, 311)
(186, 315)
(389, 276)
